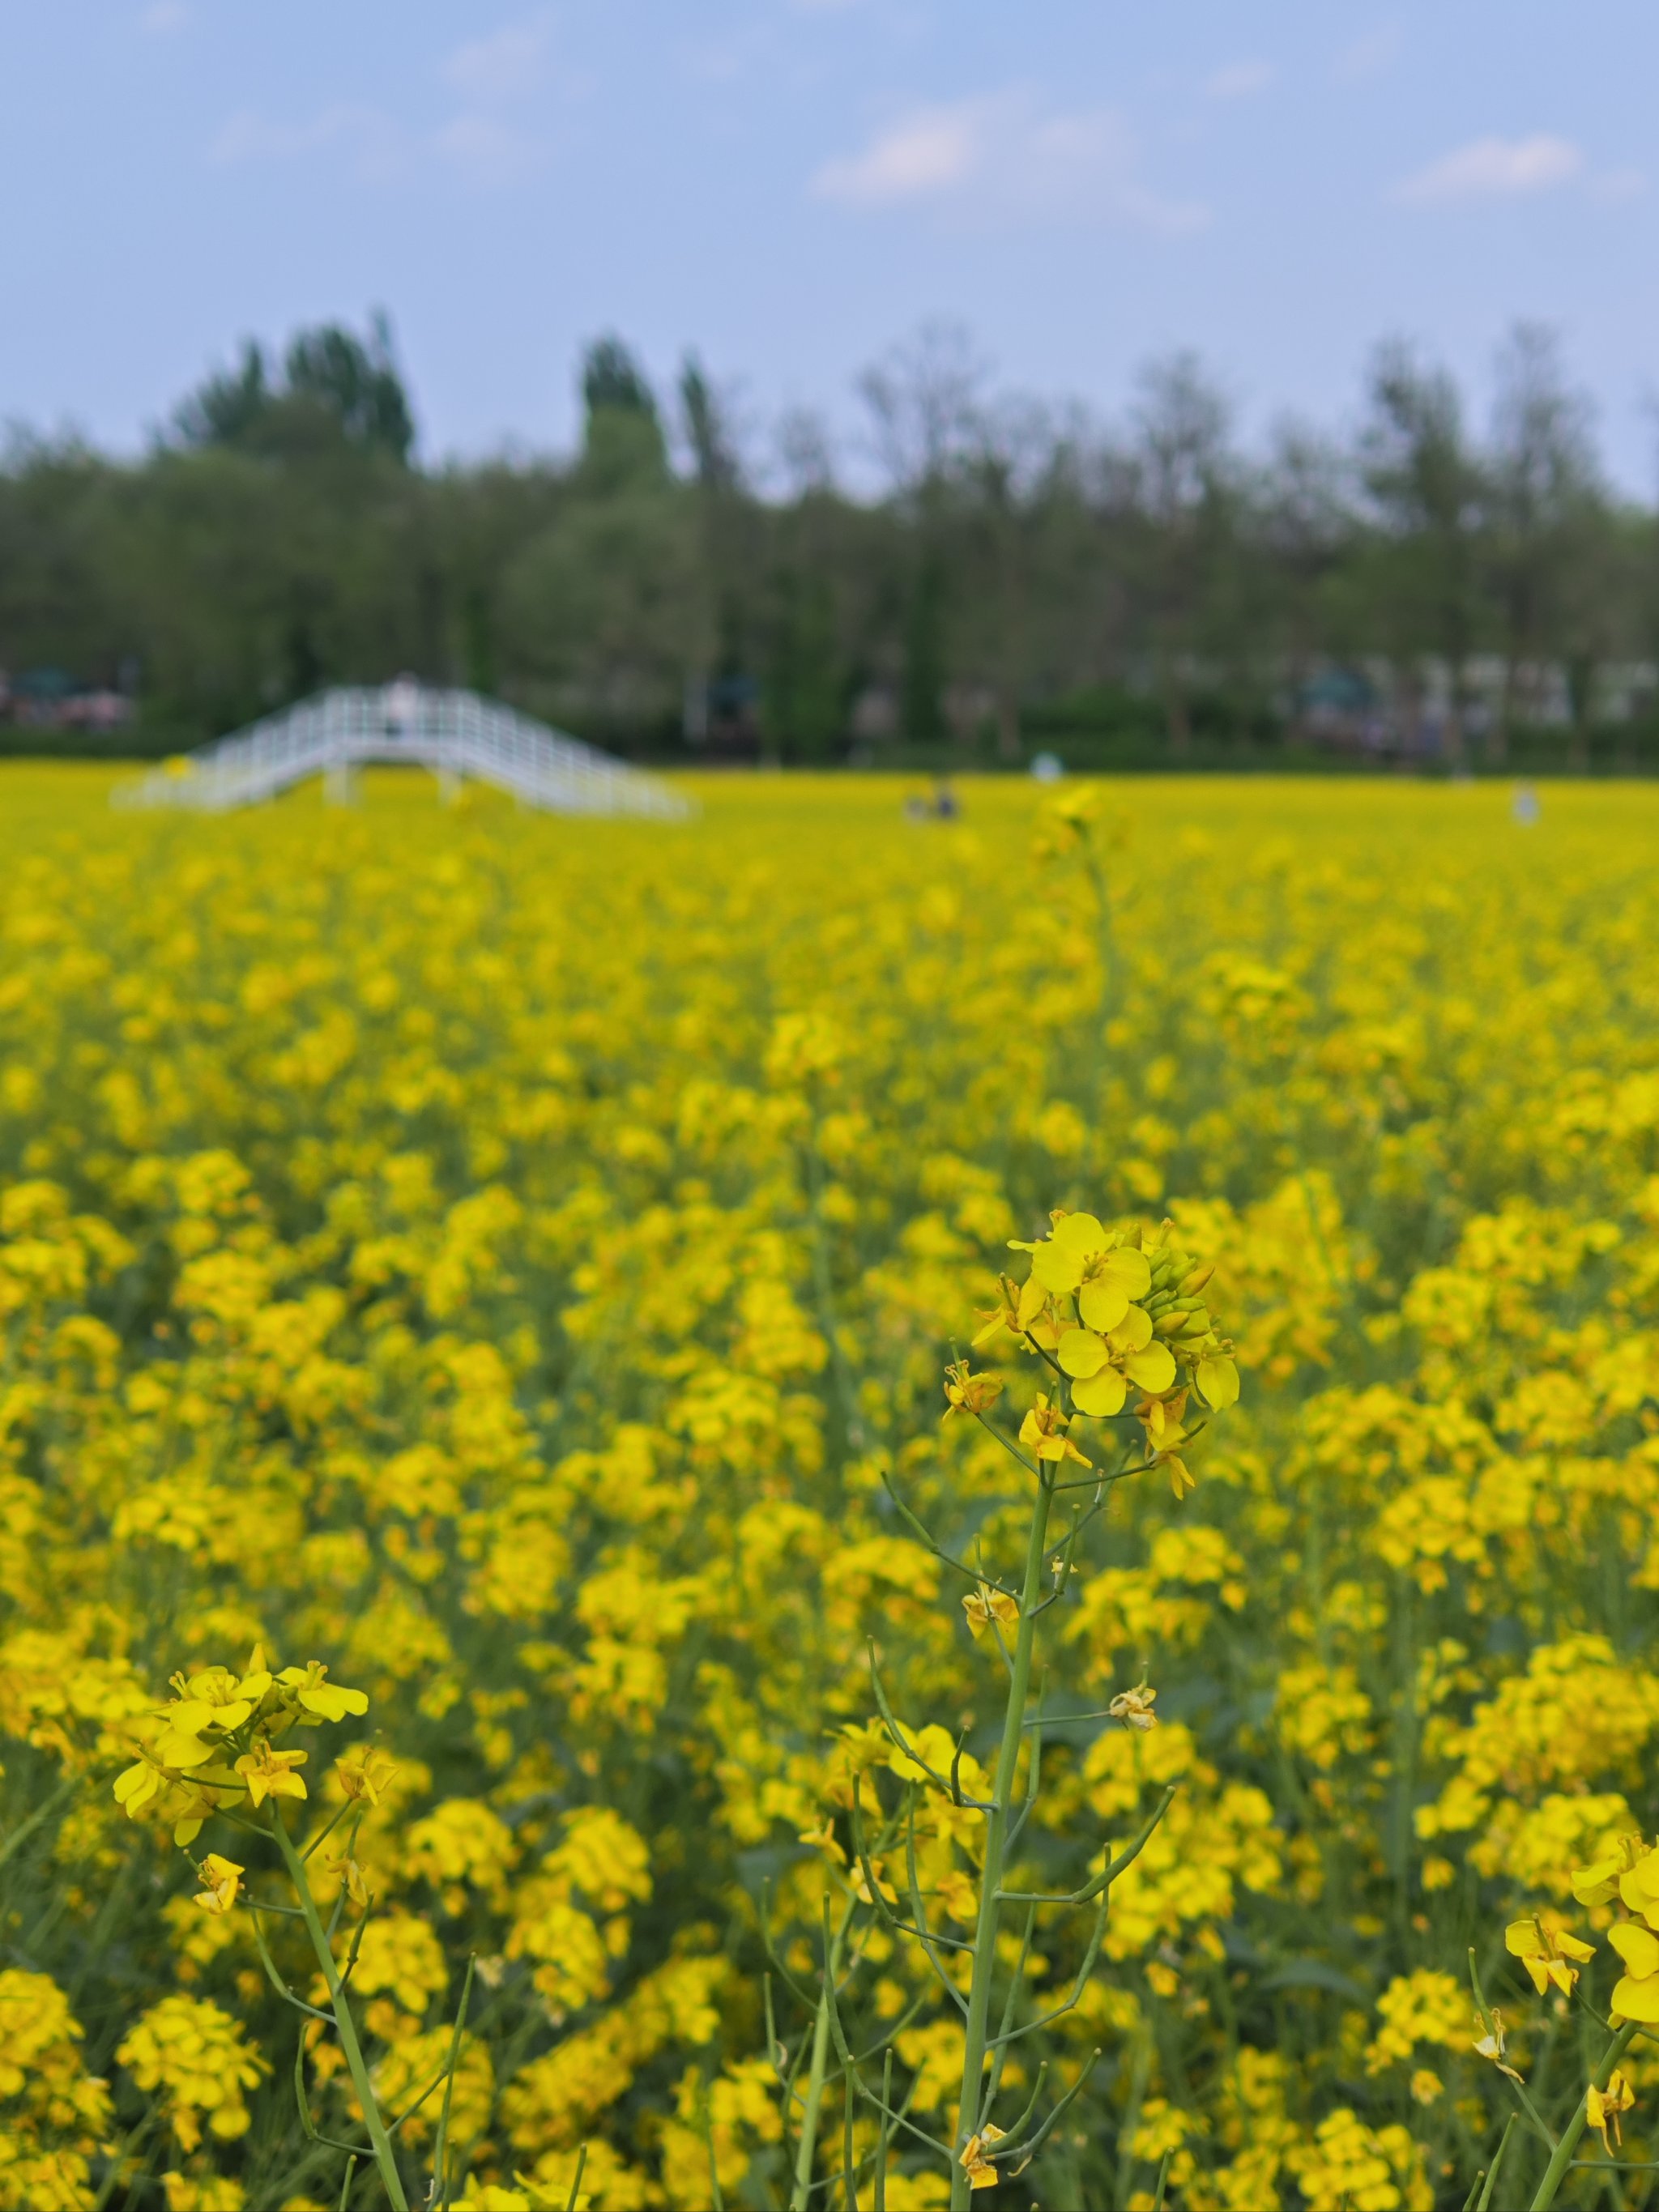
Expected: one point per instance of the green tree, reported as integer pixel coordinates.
(356, 384)
(226, 409)
(1546, 525)
(1185, 486)
(336, 389)
(1427, 489)
(804, 700)
(622, 444)
(921, 696)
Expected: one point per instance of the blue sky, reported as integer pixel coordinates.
(792, 186)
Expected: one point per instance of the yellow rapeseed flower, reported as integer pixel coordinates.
(1636, 1993)
(364, 1772)
(1044, 1432)
(1606, 1878)
(269, 1773)
(1549, 1955)
(981, 2174)
(1603, 2107)
(215, 1699)
(969, 1393)
(984, 1605)
(1134, 1707)
(318, 1696)
(222, 1881)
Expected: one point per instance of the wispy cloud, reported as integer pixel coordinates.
(493, 75)
(928, 151)
(1368, 56)
(1238, 81)
(1001, 157)
(506, 64)
(369, 138)
(1493, 168)
(490, 150)
(163, 17)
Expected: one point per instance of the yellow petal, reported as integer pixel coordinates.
(1639, 1949)
(1594, 1885)
(1101, 1395)
(1081, 1352)
(1130, 1269)
(1081, 1233)
(1638, 2000)
(1520, 1937)
(177, 1749)
(1217, 1382)
(332, 1702)
(1134, 1330)
(1102, 1305)
(1569, 1946)
(1154, 1369)
(1056, 1267)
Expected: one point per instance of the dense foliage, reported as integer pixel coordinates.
(507, 1262)
(1004, 572)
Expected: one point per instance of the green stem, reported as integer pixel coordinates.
(806, 2149)
(378, 2139)
(996, 1831)
(1556, 2170)
(21, 1834)
(1103, 918)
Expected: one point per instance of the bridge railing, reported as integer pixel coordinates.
(450, 731)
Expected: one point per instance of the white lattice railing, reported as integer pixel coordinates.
(454, 733)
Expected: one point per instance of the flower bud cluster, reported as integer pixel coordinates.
(214, 1742)
(1116, 1311)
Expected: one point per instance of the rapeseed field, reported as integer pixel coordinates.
(630, 1572)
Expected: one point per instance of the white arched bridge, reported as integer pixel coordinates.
(455, 734)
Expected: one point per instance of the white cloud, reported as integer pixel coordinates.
(369, 137)
(489, 151)
(505, 64)
(1002, 157)
(1238, 81)
(1493, 168)
(1369, 57)
(162, 17)
(927, 151)
(491, 73)
(482, 148)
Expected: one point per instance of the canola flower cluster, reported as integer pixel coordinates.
(508, 1266)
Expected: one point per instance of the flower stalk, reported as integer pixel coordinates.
(384, 2158)
(969, 2124)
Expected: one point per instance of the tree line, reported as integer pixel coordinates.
(993, 575)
